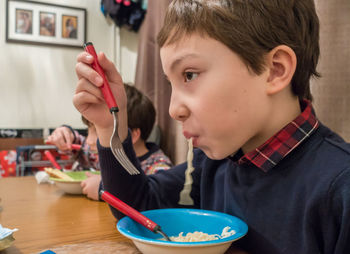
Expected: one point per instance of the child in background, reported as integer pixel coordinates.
(240, 76)
(141, 120)
(86, 158)
(142, 116)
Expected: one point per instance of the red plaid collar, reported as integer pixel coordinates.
(283, 142)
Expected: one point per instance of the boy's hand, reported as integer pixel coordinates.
(91, 185)
(62, 137)
(89, 101)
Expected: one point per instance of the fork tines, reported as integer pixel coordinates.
(118, 151)
(124, 161)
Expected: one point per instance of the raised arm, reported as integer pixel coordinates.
(89, 101)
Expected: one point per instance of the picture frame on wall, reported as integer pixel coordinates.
(45, 24)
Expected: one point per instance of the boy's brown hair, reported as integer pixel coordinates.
(141, 112)
(251, 29)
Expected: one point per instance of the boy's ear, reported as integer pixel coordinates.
(135, 135)
(281, 63)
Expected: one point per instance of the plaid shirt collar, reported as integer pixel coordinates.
(283, 142)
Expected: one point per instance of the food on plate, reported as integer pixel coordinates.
(56, 173)
(200, 236)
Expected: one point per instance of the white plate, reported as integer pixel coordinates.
(70, 187)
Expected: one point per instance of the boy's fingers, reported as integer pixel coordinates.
(83, 184)
(85, 85)
(109, 69)
(68, 138)
(61, 139)
(88, 174)
(87, 93)
(84, 100)
(84, 71)
(85, 58)
(48, 140)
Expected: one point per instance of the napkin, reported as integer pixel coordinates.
(42, 177)
(5, 232)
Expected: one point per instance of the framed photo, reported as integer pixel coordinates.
(43, 23)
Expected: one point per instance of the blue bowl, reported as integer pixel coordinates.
(177, 220)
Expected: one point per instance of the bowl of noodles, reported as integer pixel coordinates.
(192, 231)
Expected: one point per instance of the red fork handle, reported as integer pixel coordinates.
(72, 147)
(52, 159)
(105, 88)
(129, 211)
(75, 147)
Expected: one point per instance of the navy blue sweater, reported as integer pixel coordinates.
(300, 206)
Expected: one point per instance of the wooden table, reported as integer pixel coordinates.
(48, 218)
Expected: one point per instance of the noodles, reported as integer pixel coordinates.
(226, 233)
(194, 237)
(185, 198)
(201, 237)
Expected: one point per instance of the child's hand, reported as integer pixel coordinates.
(88, 98)
(62, 137)
(91, 185)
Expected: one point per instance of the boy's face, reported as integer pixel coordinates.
(220, 104)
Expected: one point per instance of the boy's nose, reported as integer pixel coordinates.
(178, 110)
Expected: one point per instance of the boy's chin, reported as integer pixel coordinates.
(214, 155)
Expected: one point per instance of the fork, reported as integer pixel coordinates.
(52, 159)
(115, 143)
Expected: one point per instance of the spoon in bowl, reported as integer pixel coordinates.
(132, 213)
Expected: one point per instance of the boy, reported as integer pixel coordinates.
(239, 72)
(142, 116)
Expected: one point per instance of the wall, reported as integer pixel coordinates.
(37, 83)
(332, 91)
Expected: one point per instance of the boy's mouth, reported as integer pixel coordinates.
(187, 135)
(190, 135)
(195, 141)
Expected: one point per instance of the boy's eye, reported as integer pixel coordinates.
(189, 76)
